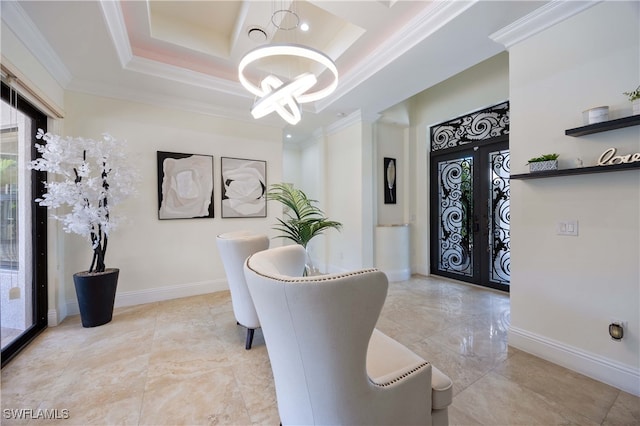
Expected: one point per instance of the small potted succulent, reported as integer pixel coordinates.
(634, 98)
(544, 162)
(86, 179)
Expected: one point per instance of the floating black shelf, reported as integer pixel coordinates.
(578, 171)
(633, 120)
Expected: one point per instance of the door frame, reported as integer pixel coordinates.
(38, 235)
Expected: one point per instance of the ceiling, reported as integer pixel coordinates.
(185, 53)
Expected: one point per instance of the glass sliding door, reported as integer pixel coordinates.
(23, 270)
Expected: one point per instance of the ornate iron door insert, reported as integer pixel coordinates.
(499, 217)
(455, 210)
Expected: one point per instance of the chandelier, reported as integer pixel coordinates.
(283, 95)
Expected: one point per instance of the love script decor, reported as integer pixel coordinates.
(609, 158)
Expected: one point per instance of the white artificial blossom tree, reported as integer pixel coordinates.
(93, 177)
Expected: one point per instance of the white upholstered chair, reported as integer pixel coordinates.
(330, 364)
(234, 248)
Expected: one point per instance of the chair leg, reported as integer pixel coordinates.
(249, 338)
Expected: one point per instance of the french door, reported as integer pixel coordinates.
(470, 214)
(23, 227)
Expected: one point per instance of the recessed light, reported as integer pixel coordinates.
(288, 136)
(257, 34)
(304, 27)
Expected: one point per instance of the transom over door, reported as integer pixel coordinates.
(470, 214)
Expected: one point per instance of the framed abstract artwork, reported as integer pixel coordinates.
(244, 187)
(185, 186)
(389, 173)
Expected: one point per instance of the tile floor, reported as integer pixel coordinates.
(183, 362)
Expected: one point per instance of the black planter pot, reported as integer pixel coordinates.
(96, 294)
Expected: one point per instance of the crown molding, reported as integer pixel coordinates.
(113, 18)
(15, 18)
(422, 26)
(186, 76)
(114, 21)
(320, 133)
(145, 97)
(539, 20)
(351, 119)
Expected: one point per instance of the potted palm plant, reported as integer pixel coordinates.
(92, 177)
(303, 220)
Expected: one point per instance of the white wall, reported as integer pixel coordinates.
(480, 86)
(161, 259)
(345, 191)
(565, 290)
(336, 168)
(291, 164)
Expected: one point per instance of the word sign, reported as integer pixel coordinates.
(609, 158)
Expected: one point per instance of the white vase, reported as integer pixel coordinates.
(636, 107)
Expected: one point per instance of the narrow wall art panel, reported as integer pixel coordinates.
(185, 186)
(244, 186)
(389, 173)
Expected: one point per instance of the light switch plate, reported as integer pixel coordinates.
(567, 227)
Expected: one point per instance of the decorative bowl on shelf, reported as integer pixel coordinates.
(595, 115)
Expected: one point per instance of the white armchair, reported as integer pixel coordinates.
(234, 248)
(330, 364)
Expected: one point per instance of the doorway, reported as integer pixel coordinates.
(23, 227)
(470, 214)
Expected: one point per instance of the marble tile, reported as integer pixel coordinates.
(495, 400)
(183, 361)
(625, 411)
(125, 411)
(203, 398)
(473, 340)
(100, 394)
(460, 418)
(28, 378)
(176, 353)
(462, 370)
(255, 381)
(572, 390)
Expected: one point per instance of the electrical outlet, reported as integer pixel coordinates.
(623, 323)
(567, 227)
(617, 329)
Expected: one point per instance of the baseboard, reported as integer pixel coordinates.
(621, 376)
(52, 318)
(397, 274)
(139, 297)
